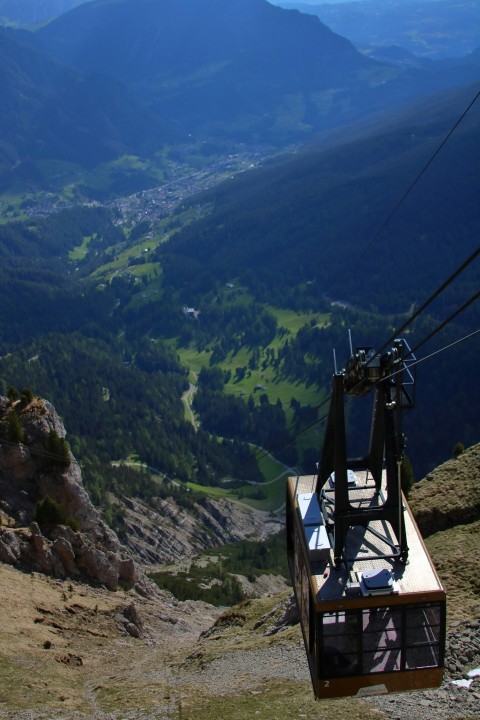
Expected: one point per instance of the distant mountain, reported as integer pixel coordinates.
(30, 12)
(133, 75)
(48, 110)
(440, 29)
(158, 41)
(243, 69)
(210, 64)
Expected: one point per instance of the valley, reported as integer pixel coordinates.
(181, 180)
(191, 244)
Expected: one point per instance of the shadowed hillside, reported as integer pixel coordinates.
(49, 111)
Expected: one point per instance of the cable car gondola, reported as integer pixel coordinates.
(372, 608)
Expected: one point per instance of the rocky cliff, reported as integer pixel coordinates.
(163, 532)
(82, 547)
(79, 544)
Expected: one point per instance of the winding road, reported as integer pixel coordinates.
(187, 398)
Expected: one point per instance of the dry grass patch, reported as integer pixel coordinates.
(450, 495)
(286, 700)
(455, 553)
(64, 651)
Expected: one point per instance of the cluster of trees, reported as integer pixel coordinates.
(99, 387)
(39, 292)
(259, 324)
(254, 558)
(49, 513)
(107, 481)
(261, 423)
(215, 586)
(235, 326)
(215, 581)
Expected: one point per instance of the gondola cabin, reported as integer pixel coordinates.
(371, 606)
(371, 625)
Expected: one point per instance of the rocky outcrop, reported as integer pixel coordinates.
(154, 534)
(84, 548)
(163, 532)
(283, 615)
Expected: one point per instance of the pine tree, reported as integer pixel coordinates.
(15, 431)
(58, 454)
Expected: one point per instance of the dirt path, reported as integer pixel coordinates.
(187, 399)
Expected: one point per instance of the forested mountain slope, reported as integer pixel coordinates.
(315, 229)
(49, 111)
(59, 335)
(296, 234)
(317, 216)
(247, 70)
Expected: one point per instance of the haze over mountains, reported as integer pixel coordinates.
(30, 12)
(50, 111)
(432, 29)
(131, 77)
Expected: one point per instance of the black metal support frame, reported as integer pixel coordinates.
(385, 450)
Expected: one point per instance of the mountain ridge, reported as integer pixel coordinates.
(247, 70)
(107, 79)
(163, 25)
(50, 111)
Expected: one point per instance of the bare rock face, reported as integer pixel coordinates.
(84, 548)
(283, 615)
(163, 532)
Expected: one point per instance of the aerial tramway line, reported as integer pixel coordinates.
(371, 605)
(372, 608)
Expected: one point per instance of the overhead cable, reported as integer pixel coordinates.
(432, 354)
(407, 192)
(429, 300)
(447, 321)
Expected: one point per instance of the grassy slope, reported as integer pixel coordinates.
(449, 499)
(455, 553)
(149, 676)
(91, 666)
(450, 495)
